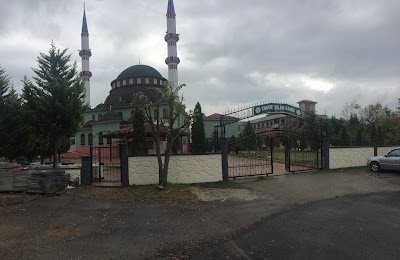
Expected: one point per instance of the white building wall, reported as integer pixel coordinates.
(143, 170)
(344, 157)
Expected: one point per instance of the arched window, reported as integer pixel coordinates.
(130, 81)
(147, 81)
(118, 83)
(120, 114)
(99, 117)
(161, 82)
(165, 113)
(83, 139)
(90, 138)
(139, 81)
(124, 82)
(93, 117)
(101, 138)
(155, 113)
(155, 81)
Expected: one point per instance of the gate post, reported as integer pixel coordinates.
(325, 152)
(123, 155)
(224, 158)
(86, 179)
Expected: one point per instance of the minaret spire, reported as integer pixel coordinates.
(85, 53)
(172, 38)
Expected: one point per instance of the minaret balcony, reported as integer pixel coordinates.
(171, 36)
(172, 59)
(87, 53)
(84, 74)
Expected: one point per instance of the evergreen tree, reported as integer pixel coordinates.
(59, 97)
(198, 135)
(139, 143)
(249, 137)
(344, 137)
(4, 86)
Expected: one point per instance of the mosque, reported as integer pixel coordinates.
(109, 122)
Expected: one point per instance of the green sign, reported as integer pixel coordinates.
(276, 108)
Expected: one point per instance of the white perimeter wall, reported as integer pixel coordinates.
(344, 157)
(182, 169)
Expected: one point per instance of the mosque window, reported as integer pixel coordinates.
(165, 113)
(118, 83)
(90, 138)
(124, 82)
(101, 138)
(93, 117)
(120, 114)
(82, 139)
(99, 117)
(155, 81)
(161, 82)
(139, 81)
(147, 81)
(130, 81)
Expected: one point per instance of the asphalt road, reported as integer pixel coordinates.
(306, 216)
(351, 227)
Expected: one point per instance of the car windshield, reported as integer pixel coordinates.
(394, 153)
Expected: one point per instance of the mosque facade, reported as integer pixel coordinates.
(109, 122)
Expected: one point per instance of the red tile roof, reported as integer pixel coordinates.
(307, 101)
(217, 116)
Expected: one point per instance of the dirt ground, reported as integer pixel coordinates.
(174, 223)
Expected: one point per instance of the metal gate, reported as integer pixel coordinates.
(249, 156)
(106, 163)
(275, 152)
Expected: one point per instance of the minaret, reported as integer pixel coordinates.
(85, 53)
(172, 38)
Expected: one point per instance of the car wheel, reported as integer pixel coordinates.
(375, 166)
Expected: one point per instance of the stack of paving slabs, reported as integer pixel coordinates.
(20, 181)
(40, 181)
(7, 171)
(61, 179)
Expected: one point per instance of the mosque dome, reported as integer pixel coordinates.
(139, 71)
(131, 80)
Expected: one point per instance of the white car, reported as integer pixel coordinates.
(390, 161)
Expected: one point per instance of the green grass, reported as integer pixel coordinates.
(306, 158)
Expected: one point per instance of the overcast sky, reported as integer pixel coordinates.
(233, 53)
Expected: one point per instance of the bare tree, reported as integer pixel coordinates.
(173, 121)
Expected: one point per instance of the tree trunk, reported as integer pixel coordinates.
(167, 156)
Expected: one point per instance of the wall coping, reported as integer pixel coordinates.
(185, 154)
(370, 146)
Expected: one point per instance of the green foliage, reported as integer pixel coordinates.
(4, 86)
(198, 135)
(344, 137)
(363, 124)
(57, 101)
(139, 143)
(249, 138)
